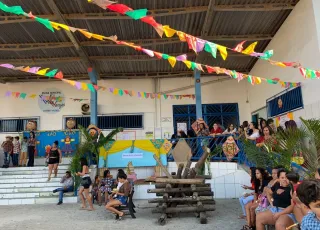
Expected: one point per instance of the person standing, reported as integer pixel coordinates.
(16, 151)
(55, 157)
(24, 151)
(31, 149)
(67, 182)
(85, 185)
(7, 149)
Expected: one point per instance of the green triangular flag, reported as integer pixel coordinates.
(165, 96)
(267, 55)
(11, 9)
(52, 73)
(165, 56)
(23, 95)
(211, 48)
(45, 22)
(90, 87)
(120, 92)
(234, 74)
(310, 73)
(193, 65)
(137, 14)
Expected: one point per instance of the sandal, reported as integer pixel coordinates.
(242, 217)
(246, 227)
(120, 217)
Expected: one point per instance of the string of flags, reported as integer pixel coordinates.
(197, 44)
(21, 95)
(87, 86)
(171, 59)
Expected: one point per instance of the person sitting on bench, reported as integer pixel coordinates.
(67, 182)
(122, 196)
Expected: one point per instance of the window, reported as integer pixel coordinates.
(284, 102)
(19, 124)
(129, 121)
(225, 114)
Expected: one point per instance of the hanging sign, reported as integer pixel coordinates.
(51, 100)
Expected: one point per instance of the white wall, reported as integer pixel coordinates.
(298, 40)
(224, 92)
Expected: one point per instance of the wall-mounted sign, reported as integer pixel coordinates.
(51, 100)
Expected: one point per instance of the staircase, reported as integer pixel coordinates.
(24, 185)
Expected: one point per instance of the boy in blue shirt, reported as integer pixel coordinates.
(308, 193)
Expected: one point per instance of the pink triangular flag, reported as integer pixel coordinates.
(182, 57)
(149, 52)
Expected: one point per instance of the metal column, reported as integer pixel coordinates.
(93, 98)
(198, 93)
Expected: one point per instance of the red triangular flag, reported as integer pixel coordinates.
(210, 69)
(150, 20)
(59, 75)
(120, 8)
(126, 92)
(96, 87)
(158, 55)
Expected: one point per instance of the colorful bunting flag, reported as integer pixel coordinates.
(168, 31)
(120, 8)
(200, 44)
(223, 51)
(239, 47)
(137, 14)
(211, 48)
(182, 36)
(191, 42)
(102, 3)
(172, 61)
(250, 48)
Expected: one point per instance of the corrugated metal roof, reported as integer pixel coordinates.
(113, 59)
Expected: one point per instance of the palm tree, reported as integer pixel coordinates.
(89, 147)
(293, 141)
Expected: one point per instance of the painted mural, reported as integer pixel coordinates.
(117, 154)
(68, 140)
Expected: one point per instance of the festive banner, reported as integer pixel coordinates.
(20, 95)
(198, 44)
(193, 42)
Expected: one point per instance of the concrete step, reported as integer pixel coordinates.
(34, 172)
(32, 180)
(38, 200)
(32, 176)
(29, 189)
(11, 169)
(31, 185)
(31, 195)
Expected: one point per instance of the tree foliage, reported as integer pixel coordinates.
(292, 142)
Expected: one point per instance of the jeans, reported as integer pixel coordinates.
(6, 158)
(15, 159)
(63, 190)
(245, 200)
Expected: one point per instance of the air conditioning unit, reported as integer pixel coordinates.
(85, 109)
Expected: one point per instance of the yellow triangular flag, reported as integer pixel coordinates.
(182, 36)
(116, 91)
(223, 51)
(85, 33)
(172, 61)
(188, 64)
(168, 31)
(32, 95)
(97, 36)
(42, 71)
(258, 80)
(84, 86)
(73, 83)
(58, 26)
(250, 49)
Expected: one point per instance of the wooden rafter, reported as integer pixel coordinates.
(156, 13)
(142, 42)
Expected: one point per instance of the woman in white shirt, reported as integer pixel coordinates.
(230, 130)
(255, 132)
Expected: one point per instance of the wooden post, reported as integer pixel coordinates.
(162, 167)
(184, 209)
(180, 181)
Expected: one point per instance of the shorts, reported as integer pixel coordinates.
(53, 161)
(122, 199)
(86, 182)
(277, 210)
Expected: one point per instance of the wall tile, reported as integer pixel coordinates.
(230, 190)
(229, 178)
(222, 165)
(220, 191)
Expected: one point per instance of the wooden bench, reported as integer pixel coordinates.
(129, 207)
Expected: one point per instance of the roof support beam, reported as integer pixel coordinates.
(256, 7)
(70, 35)
(109, 76)
(36, 61)
(155, 13)
(142, 42)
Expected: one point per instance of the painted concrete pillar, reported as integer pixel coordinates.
(93, 98)
(198, 93)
